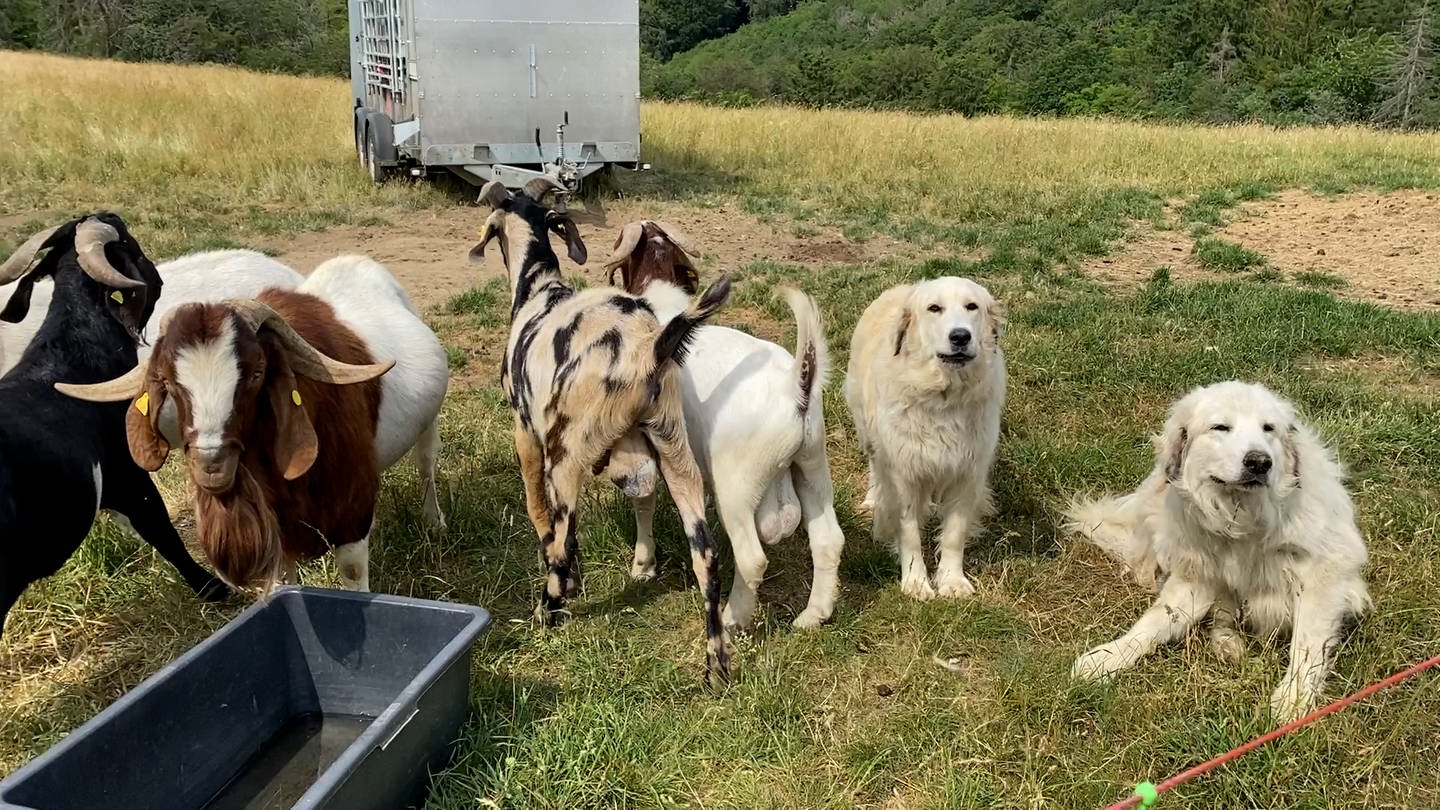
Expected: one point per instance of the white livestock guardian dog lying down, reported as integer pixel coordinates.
(1244, 517)
(926, 385)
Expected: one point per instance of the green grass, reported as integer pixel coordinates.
(1227, 257)
(1320, 280)
(608, 709)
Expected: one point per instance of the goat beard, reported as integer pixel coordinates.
(240, 535)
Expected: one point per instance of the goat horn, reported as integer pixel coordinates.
(307, 360)
(678, 237)
(625, 244)
(493, 193)
(91, 237)
(19, 261)
(128, 385)
(538, 187)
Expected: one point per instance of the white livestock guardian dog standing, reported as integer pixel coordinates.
(926, 385)
(1245, 518)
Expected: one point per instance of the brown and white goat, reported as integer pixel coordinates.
(757, 427)
(277, 404)
(583, 368)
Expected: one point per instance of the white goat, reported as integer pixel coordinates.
(413, 391)
(213, 275)
(755, 422)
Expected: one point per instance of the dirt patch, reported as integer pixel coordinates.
(426, 250)
(1380, 248)
(1394, 374)
(1387, 246)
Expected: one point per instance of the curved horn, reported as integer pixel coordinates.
(91, 237)
(306, 359)
(493, 193)
(19, 261)
(678, 237)
(625, 244)
(537, 188)
(126, 386)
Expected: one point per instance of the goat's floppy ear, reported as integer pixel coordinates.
(488, 231)
(566, 228)
(142, 427)
(900, 332)
(296, 446)
(19, 304)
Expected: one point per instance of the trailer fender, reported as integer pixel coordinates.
(361, 114)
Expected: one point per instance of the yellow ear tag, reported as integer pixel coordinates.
(143, 404)
(118, 297)
(295, 396)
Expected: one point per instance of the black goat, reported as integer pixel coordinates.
(61, 459)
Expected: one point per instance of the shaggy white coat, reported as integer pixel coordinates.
(1273, 552)
(927, 410)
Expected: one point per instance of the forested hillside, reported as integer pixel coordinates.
(1281, 61)
(1285, 61)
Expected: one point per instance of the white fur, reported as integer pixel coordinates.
(210, 372)
(99, 487)
(929, 428)
(352, 561)
(763, 460)
(370, 301)
(1280, 552)
(199, 277)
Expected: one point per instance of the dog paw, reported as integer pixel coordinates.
(642, 570)
(1098, 664)
(1228, 645)
(954, 586)
(917, 588)
(1290, 702)
(809, 619)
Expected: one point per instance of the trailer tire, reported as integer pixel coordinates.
(361, 113)
(378, 172)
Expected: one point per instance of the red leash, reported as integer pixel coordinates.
(1146, 793)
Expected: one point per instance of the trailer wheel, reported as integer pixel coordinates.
(378, 173)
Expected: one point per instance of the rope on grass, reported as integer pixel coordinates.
(1146, 793)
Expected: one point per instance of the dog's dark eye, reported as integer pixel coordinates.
(972, 306)
(1268, 428)
(935, 308)
(1221, 428)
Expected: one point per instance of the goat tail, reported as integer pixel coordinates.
(675, 338)
(812, 358)
(1116, 526)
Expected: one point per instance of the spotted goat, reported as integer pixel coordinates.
(285, 422)
(61, 461)
(581, 369)
(756, 423)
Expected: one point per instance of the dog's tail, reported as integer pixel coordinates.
(1115, 525)
(675, 338)
(812, 359)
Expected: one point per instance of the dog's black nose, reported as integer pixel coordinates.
(959, 338)
(1257, 462)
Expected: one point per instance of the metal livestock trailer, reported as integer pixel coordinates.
(496, 89)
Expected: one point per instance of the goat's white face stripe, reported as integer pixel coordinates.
(209, 372)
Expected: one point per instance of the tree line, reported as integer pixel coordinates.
(1278, 61)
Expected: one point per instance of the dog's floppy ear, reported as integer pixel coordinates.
(995, 314)
(1176, 442)
(903, 328)
(1291, 440)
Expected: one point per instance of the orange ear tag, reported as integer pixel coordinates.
(295, 396)
(143, 404)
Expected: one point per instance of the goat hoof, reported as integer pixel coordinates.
(212, 590)
(544, 616)
(642, 572)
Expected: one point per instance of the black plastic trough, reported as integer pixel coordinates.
(316, 699)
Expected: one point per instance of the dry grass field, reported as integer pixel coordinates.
(1135, 263)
